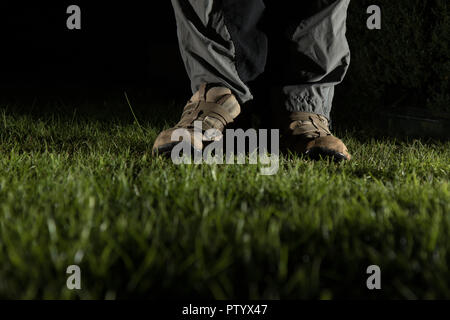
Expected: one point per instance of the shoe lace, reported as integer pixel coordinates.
(309, 125)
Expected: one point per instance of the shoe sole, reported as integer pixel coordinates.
(318, 153)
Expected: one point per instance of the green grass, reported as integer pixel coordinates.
(83, 189)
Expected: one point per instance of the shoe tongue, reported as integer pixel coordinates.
(231, 104)
(215, 93)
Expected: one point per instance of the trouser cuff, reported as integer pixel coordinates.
(309, 98)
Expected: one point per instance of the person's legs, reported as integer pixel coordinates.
(222, 50)
(308, 56)
(220, 42)
(322, 57)
(221, 46)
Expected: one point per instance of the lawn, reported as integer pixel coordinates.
(79, 186)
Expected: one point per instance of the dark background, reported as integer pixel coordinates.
(132, 46)
(119, 44)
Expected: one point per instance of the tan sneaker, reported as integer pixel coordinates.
(309, 134)
(215, 107)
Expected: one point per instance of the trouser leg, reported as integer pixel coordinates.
(312, 52)
(220, 42)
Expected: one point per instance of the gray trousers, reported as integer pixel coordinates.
(221, 42)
